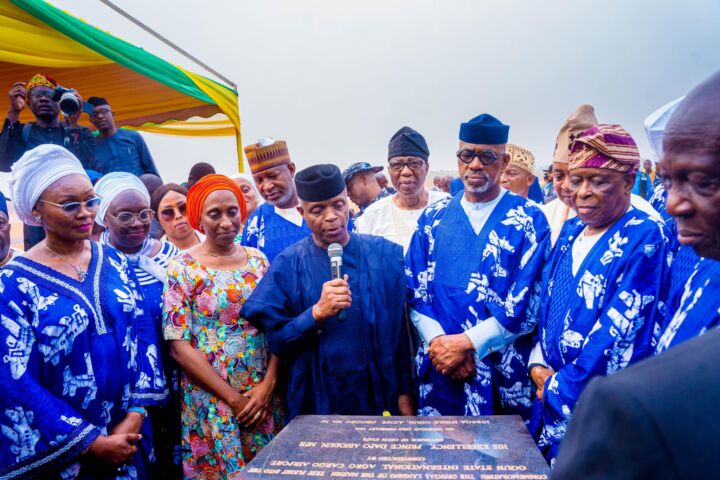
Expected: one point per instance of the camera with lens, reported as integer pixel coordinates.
(66, 98)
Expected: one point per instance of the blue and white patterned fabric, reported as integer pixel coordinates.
(602, 319)
(692, 302)
(698, 308)
(658, 200)
(461, 280)
(166, 420)
(270, 233)
(71, 367)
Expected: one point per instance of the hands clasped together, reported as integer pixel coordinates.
(255, 407)
(118, 447)
(453, 356)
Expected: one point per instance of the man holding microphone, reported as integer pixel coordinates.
(343, 341)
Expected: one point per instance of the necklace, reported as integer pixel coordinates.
(7, 257)
(237, 252)
(79, 271)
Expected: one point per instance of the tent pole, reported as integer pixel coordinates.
(169, 43)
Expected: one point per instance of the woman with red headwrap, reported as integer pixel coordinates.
(229, 411)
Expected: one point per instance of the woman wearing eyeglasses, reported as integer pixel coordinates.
(169, 203)
(74, 386)
(126, 215)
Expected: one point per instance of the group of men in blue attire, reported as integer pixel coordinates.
(498, 319)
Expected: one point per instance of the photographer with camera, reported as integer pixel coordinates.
(46, 99)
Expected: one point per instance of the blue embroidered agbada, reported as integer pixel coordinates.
(353, 366)
(461, 280)
(270, 233)
(72, 365)
(698, 307)
(693, 297)
(165, 421)
(658, 200)
(600, 320)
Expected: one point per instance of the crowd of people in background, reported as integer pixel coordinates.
(163, 330)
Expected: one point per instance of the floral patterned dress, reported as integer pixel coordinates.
(202, 305)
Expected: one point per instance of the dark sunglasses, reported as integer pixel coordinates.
(169, 213)
(486, 157)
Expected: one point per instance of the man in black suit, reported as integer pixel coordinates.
(660, 418)
(656, 420)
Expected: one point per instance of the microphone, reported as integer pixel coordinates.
(335, 252)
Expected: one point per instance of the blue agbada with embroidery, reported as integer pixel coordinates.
(75, 356)
(353, 366)
(270, 233)
(601, 319)
(697, 307)
(460, 279)
(694, 296)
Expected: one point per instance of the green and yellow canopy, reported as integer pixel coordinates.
(146, 92)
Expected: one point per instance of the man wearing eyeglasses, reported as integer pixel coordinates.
(118, 150)
(395, 217)
(472, 265)
(17, 138)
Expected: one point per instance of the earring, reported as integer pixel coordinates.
(38, 218)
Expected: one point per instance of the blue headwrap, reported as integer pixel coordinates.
(3, 204)
(93, 175)
(484, 130)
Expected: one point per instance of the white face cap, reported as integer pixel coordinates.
(655, 125)
(266, 141)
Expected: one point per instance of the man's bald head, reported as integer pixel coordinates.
(691, 168)
(695, 126)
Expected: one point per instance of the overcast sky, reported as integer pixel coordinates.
(336, 78)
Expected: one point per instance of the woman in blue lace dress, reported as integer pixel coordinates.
(75, 387)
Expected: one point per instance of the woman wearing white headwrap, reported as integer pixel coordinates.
(253, 199)
(74, 388)
(126, 215)
(252, 196)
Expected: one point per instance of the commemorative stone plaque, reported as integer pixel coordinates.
(494, 447)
